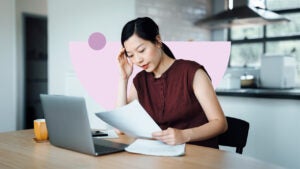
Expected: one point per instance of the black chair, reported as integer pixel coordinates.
(236, 134)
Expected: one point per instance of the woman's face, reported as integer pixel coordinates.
(143, 53)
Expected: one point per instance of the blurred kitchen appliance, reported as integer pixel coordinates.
(247, 81)
(242, 13)
(230, 81)
(278, 71)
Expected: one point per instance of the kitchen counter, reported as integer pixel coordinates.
(261, 93)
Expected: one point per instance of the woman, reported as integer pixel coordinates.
(177, 94)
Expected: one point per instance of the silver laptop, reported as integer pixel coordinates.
(68, 126)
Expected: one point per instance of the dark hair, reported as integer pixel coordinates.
(146, 29)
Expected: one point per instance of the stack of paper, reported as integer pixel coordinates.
(133, 120)
(156, 148)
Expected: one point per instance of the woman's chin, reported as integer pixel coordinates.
(148, 70)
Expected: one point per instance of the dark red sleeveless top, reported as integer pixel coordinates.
(170, 99)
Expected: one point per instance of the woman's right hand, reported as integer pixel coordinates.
(126, 66)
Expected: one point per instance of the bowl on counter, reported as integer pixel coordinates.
(247, 81)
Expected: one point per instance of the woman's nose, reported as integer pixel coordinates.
(139, 59)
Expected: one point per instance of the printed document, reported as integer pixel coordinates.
(132, 119)
(155, 148)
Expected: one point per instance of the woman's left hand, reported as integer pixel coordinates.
(171, 136)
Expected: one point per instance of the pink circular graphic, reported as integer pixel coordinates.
(99, 75)
(97, 41)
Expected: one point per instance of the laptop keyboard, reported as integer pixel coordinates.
(105, 150)
(105, 146)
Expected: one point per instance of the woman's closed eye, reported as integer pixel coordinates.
(141, 51)
(129, 55)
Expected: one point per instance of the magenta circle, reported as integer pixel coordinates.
(97, 41)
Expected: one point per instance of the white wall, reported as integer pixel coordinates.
(176, 16)
(274, 127)
(7, 64)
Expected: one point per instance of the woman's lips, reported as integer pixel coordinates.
(145, 66)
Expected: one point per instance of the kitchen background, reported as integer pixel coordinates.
(274, 122)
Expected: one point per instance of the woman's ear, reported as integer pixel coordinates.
(158, 41)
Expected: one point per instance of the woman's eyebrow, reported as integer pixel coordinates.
(136, 47)
(139, 46)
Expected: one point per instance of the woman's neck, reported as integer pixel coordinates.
(163, 66)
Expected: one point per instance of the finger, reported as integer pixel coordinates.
(170, 130)
(130, 63)
(157, 134)
(121, 53)
(118, 131)
(163, 138)
(168, 141)
(160, 133)
(122, 50)
(122, 59)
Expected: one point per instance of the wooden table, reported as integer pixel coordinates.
(18, 150)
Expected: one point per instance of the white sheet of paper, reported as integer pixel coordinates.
(132, 119)
(156, 148)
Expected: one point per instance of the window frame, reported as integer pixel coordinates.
(264, 39)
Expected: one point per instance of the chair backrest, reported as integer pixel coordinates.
(236, 134)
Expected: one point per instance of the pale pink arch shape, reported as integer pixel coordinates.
(98, 71)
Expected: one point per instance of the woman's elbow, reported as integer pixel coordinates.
(221, 125)
(224, 126)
